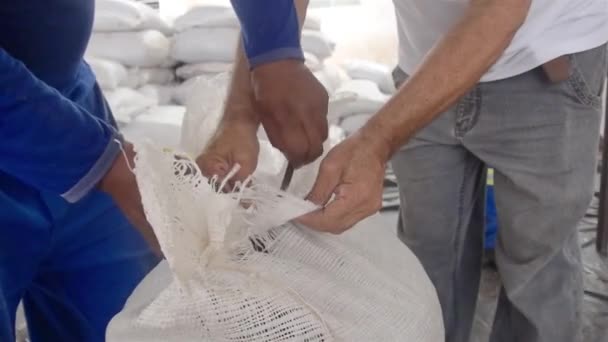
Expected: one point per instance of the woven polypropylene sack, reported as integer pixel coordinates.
(240, 273)
(238, 270)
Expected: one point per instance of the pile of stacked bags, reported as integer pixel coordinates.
(150, 68)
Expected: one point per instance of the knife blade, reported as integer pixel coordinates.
(287, 178)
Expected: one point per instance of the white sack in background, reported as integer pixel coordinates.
(127, 15)
(162, 93)
(316, 43)
(331, 76)
(312, 62)
(375, 72)
(109, 74)
(138, 77)
(182, 92)
(133, 49)
(354, 122)
(223, 16)
(361, 97)
(160, 124)
(191, 88)
(245, 273)
(207, 16)
(189, 71)
(127, 103)
(205, 45)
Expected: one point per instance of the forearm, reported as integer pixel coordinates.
(449, 71)
(240, 99)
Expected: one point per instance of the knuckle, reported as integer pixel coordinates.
(328, 166)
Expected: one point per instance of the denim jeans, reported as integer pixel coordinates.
(541, 139)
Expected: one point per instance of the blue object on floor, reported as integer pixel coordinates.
(491, 217)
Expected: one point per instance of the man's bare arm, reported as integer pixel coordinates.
(449, 71)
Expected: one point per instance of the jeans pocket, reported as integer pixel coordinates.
(587, 76)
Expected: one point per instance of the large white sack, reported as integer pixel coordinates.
(368, 70)
(317, 43)
(360, 97)
(237, 272)
(133, 49)
(188, 71)
(127, 15)
(223, 16)
(127, 103)
(204, 106)
(160, 124)
(162, 93)
(109, 74)
(138, 77)
(205, 45)
(240, 271)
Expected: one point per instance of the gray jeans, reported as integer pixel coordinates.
(541, 139)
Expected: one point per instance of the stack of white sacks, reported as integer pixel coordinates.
(147, 67)
(206, 38)
(129, 52)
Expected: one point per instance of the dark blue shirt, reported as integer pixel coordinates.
(270, 30)
(56, 131)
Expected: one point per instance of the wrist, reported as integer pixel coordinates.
(378, 139)
(242, 112)
(119, 171)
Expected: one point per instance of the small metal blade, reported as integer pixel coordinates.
(287, 177)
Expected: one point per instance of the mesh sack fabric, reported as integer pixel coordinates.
(238, 270)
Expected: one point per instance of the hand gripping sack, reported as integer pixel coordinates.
(238, 270)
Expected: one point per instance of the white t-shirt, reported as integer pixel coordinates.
(553, 28)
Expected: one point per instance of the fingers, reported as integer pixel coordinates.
(288, 135)
(326, 183)
(293, 110)
(342, 213)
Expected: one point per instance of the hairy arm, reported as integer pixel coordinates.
(278, 39)
(449, 71)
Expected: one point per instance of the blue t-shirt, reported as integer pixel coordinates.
(56, 131)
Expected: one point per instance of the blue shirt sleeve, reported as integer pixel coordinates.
(46, 140)
(270, 30)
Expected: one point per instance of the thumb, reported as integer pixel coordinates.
(327, 181)
(213, 166)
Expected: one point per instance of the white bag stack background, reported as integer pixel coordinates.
(150, 70)
(129, 52)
